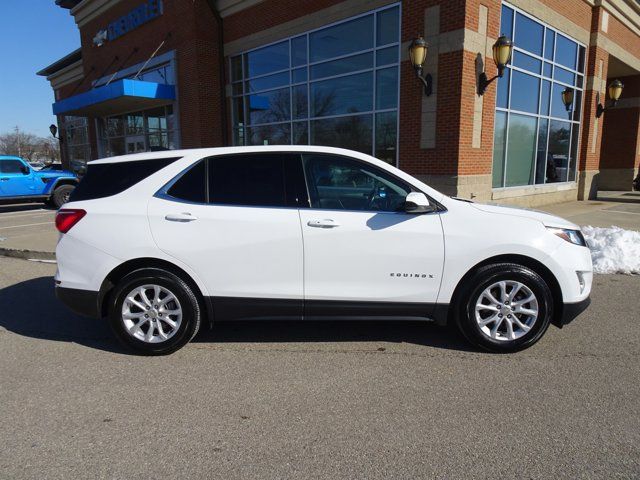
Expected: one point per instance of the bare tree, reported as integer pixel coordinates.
(29, 146)
(18, 143)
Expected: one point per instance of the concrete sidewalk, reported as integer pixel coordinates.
(620, 209)
(27, 231)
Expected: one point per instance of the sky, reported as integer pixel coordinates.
(34, 34)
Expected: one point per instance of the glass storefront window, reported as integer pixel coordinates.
(76, 141)
(335, 86)
(149, 130)
(162, 74)
(536, 137)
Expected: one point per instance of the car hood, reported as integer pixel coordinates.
(545, 218)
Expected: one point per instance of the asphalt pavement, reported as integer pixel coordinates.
(315, 400)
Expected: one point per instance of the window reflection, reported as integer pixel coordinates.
(318, 88)
(545, 145)
(521, 148)
(558, 153)
(268, 59)
(353, 132)
(77, 142)
(350, 94)
(342, 65)
(499, 149)
(148, 130)
(525, 92)
(342, 39)
(528, 34)
(566, 52)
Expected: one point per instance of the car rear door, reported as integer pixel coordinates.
(364, 256)
(234, 220)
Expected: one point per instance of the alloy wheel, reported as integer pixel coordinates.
(506, 310)
(151, 313)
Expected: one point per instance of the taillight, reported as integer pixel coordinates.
(67, 218)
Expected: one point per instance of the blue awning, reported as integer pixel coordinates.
(118, 97)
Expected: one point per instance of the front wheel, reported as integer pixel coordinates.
(154, 312)
(504, 307)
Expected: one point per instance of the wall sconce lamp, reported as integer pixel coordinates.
(615, 91)
(418, 54)
(567, 98)
(54, 130)
(502, 50)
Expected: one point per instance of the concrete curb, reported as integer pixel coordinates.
(26, 254)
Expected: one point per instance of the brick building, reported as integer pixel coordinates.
(155, 74)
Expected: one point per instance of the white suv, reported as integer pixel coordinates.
(161, 243)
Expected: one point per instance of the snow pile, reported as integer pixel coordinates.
(613, 250)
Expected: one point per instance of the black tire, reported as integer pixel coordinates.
(484, 277)
(188, 301)
(61, 195)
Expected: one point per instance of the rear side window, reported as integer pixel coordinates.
(107, 179)
(191, 186)
(256, 180)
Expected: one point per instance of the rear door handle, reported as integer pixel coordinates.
(325, 223)
(180, 217)
(4, 179)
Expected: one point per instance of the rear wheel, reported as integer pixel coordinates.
(154, 312)
(61, 195)
(504, 307)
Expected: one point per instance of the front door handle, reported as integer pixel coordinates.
(325, 223)
(5, 179)
(180, 217)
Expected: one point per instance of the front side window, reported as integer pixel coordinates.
(11, 166)
(335, 86)
(536, 135)
(341, 183)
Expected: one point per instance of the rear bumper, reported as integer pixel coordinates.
(571, 310)
(82, 302)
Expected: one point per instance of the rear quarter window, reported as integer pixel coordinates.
(107, 179)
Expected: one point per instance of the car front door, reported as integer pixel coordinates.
(364, 255)
(234, 220)
(16, 179)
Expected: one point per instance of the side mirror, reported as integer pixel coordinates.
(25, 170)
(417, 202)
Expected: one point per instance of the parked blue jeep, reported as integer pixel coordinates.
(19, 182)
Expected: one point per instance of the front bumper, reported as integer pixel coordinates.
(571, 310)
(82, 302)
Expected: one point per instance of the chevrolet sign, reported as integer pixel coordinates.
(126, 23)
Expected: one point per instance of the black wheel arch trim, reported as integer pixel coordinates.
(525, 261)
(146, 263)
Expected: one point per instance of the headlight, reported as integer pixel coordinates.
(571, 236)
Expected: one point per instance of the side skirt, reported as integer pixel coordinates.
(243, 308)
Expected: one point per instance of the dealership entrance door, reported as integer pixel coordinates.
(142, 131)
(135, 144)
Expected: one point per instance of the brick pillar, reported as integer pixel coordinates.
(596, 82)
(199, 81)
(446, 139)
(620, 151)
